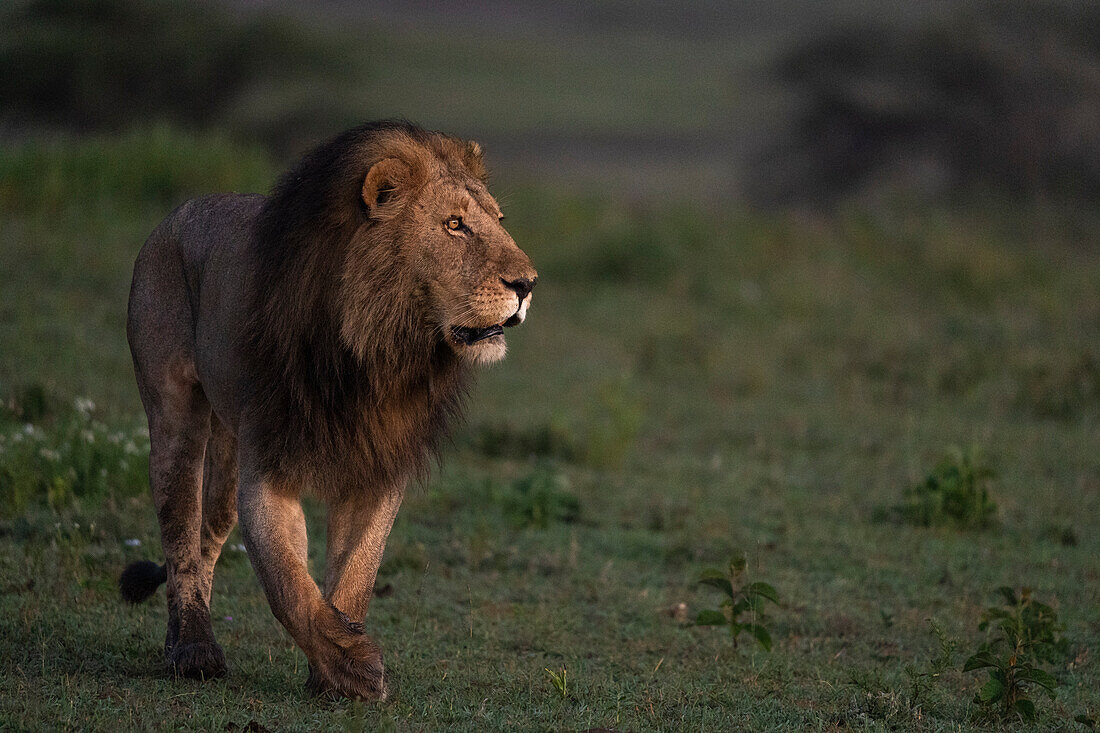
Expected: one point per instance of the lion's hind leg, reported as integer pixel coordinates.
(219, 500)
(179, 428)
(161, 332)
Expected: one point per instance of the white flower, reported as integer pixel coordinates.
(83, 405)
(132, 543)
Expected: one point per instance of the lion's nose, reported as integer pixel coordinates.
(522, 286)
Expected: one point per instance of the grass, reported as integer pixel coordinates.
(766, 389)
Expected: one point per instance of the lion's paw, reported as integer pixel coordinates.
(347, 662)
(200, 660)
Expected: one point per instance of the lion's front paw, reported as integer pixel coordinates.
(201, 660)
(345, 661)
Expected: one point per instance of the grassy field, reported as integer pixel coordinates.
(691, 385)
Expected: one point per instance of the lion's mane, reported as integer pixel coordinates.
(359, 415)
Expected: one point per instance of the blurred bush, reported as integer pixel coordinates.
(604, 439)
(1004, 100)
(955, 493)
(108, 64)
(1061, 386)
(150, 167)
(542, 440)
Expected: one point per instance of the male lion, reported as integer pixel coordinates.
(316, 339)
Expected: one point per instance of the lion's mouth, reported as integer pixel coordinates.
(467, 335)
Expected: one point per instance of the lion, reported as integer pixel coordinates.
(317, 340)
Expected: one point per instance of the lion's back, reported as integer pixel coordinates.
(214, 226)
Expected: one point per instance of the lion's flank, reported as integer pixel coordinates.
(367, 410)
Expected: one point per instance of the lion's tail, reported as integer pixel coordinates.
(140, 580)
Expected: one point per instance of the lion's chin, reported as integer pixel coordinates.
(486, 351)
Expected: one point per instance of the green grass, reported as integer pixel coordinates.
(765, 388)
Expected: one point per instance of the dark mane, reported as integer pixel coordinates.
(366, 413)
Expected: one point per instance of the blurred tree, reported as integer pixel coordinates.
(108, 64)
(1004, 100)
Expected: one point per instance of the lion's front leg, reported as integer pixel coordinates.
(358, 527)
(342, 659)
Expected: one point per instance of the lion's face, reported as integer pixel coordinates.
(477, 281)
(467, 276)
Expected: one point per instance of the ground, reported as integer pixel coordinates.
(691, 384)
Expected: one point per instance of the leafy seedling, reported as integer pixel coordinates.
(742, 608)
(1025, 635)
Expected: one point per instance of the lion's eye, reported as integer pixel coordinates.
(454, 223)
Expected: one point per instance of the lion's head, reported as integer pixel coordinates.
(382, 269)
(425, 196)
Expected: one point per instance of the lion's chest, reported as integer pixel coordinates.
(398, 434)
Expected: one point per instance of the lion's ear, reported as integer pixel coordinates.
(386, 182)
(474, 160)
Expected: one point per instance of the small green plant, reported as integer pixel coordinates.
(742, 608)
(956, 493)
(1026, 634)
(560, 680)
(921, 681)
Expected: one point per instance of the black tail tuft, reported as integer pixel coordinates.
(140, 580)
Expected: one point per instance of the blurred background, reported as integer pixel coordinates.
(791, 252)
(764, 101)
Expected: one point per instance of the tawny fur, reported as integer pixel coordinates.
(317, 340)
